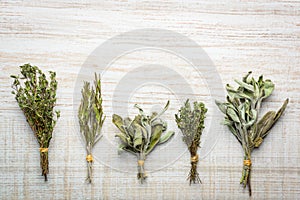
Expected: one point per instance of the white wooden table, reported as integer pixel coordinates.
(238, 36)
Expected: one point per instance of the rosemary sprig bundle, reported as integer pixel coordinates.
(91, 119)
(140, 135)
(36, 97)
(241, 116)
(191, 123)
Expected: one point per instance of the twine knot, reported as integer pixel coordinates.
(247, 163)
(89, 158)
(43, 150)
(141, 162)
(194, 159)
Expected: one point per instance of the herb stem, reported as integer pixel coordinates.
(141, 167)
(44, 164)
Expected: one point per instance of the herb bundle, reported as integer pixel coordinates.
(140, 135)
(241, 116)
(91, 119)
(191, 123)
(36, 97)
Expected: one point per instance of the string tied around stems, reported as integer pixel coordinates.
(142, 175)
(195, 159)
(141, 162)
(43, 150)
(247, 163)
(89, 158)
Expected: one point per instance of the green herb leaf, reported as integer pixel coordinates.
(118, 121)
(245, 85)
(232, 114)
(222, 106)
(268, 88)
(166, 137)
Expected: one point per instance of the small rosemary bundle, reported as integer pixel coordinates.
(91, 119)
(36, 97)
(191, 123)
(140, 135)
(241, 116)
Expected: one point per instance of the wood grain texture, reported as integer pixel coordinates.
(262, 36)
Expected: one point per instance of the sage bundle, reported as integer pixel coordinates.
(91, 119)
(36, 97)
(242, 113)
(140, 135)
(191, 123)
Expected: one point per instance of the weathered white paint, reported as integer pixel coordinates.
(262, 36)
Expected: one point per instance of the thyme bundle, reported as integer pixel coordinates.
(91, 119)
(36, 97)
(191, 123)
(140, 135)
(241, 116)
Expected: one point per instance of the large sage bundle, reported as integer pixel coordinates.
(241, 111)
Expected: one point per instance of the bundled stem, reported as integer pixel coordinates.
(140, 135)
(194, 175)
(241, 116)
(191, 123)
(245, 179)
(141, 167)
(91, 119)
(36, 97)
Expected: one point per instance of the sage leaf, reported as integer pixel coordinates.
(268, 88)
(118, 121)
(245, 85)
(232, 114)
(123, 137)
(222, 106)
(166, 137)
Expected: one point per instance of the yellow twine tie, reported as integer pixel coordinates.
(247, 163)
(89, 158)
(141, 162)
(194, 159)
(43, 150)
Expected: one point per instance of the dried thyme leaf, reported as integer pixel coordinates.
(36, 96)
(241, 116)
(91, 119)
(141, 135)
(191, 123)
